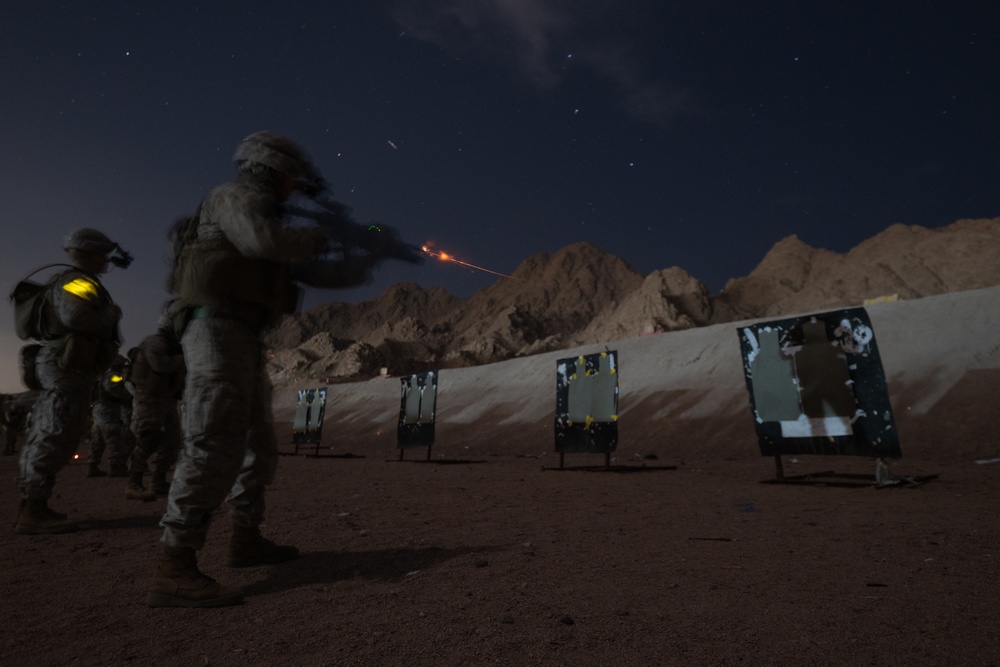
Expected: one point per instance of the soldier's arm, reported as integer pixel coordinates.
(251, 221)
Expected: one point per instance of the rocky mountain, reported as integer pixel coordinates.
(581, 295)
(910, 261)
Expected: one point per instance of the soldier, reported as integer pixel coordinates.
(234, 267)
(7, 422)
(111, 411)
(16, 408)
(156, 378)
(79, 340)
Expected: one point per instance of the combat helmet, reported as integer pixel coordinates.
(89, 240)
(86, 239)
(273, 150)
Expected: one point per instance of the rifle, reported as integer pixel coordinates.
(342, 228)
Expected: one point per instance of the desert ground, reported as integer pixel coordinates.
(488, 554)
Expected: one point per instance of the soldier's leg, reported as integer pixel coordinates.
(118, 445)
(217, 418)
(9, 438)
(146, 442)
(166, 455)
(248, 547)
(98, 444)
(56, 424)
(220, 356)
(138, 461)
(147, 432)
(261, 462)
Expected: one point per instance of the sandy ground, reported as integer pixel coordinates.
(486, 555)
(502, 562)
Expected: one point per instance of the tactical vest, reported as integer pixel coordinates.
(212, 272)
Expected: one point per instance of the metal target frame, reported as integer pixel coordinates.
(817, 386)
(586, 419)
(307, 424)
(417, 411)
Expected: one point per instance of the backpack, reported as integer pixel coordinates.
(29, 307)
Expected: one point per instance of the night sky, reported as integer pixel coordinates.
(694, 134)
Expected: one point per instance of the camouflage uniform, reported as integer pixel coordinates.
(111, 413)
(67, 368)
(230, 447)
(14, 419)
(9, 430)
(156, 379)
(233, 274)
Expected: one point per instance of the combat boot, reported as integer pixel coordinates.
(134, 490)
(248, 548)
(35, 518)
(159, 484)
(95, 471)
(20, 508)
(177, 582)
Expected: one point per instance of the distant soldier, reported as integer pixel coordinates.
(78, 331)
(8, 421)
(156, 378)
(111, 412)
(16, 409)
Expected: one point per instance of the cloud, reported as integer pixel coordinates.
(643, 98)
(518, 32)
(539, 39)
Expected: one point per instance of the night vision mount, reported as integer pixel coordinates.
(120, 257)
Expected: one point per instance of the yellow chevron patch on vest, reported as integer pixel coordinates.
(83, 288)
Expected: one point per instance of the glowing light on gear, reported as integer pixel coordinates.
(116, 378)
(445, 257)
(84, 288)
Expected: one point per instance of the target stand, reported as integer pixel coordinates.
(307, 425)
(587, 406)
(817, 386)
(417, 405)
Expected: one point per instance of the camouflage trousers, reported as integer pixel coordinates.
(113, 436)
(157, 432)
(58, 419)
(9, 437)
(230, 452)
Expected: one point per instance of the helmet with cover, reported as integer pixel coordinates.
(94, 243)
(89, 240)
(274, 151)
